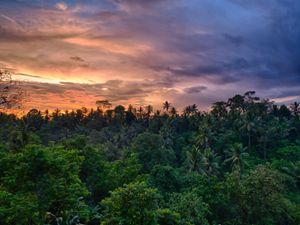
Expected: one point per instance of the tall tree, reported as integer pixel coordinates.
(149, 110)
(166, 106)
(187, 110)
(210, 162)
(194, 157)
(103, 104)
(236, 156)
(219, 109)
(248, 126)
(173, 112)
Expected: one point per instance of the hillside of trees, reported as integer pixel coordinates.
(238, 164)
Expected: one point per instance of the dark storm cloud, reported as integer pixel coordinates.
(228, 46)
(275, 50)
(236, 40)
(195, 90)
(136, 3)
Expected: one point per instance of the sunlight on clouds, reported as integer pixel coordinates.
(286, 99)
(160, 51)
(131, 49)
(8, 18)
(61, 6)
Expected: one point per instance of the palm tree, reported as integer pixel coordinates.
(173, 111)
(190, 110)
(56, 114)
(204, 136)
(194, 109)
(249, 126)
(130, 108)
(187, 110)
(47, 116)
(149, 110)
(209, 162)
(140, 112)
(205, 162)
(166, 106)
(157, 113)
(236, 156)
(194, 157)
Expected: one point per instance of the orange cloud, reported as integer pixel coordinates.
(130, 49)
(61, 6)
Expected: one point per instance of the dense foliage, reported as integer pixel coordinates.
(237, 164)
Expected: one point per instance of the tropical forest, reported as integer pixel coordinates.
(238, 163)
(149, 112)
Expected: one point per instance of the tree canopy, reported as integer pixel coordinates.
(237, 164)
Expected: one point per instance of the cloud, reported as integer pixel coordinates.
(86, 94)
(77, 59)
(8, 18)
(195, 89)
(236, 40)
(136, 5)
(156, 48)
(61, 6)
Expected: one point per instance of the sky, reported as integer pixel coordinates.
(72, 53)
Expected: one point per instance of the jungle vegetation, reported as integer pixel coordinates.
(237, 164)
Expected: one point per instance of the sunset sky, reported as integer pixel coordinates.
(71, 53)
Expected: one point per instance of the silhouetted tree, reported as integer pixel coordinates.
(166, 106)
(103, 104)
(11, 93)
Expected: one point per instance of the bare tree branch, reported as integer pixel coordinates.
(11, 93)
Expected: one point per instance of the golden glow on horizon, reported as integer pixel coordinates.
(110, 46)
(71, 53)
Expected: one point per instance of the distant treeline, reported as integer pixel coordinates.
(237, 164)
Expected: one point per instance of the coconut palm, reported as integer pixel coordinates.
(140, 112)
(187, 110)
(194, 109)
(194, 157)
(209, 162)
(236, 156)
(130, 108)
(203, 161)
(167, 106)
(149, 110)
(204, 136)
(190, 110)
(157, 113)
(248, 125)
(173, 111)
